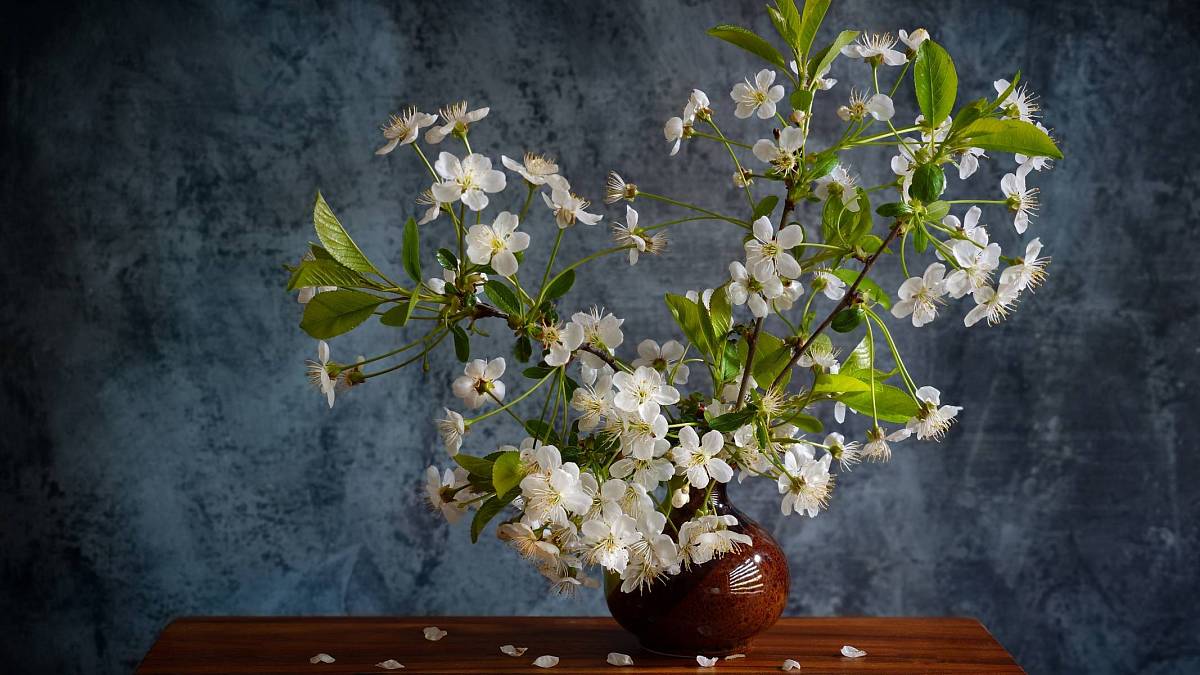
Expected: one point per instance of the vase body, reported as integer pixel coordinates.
(711, 609)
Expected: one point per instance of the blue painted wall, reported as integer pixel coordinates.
(163, 455)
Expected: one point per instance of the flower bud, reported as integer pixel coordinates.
(679, 498)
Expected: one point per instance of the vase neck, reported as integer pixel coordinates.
(720, 501)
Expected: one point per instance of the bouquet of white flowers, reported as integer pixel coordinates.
(609, 445)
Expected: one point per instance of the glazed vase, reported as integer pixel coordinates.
(712, 609)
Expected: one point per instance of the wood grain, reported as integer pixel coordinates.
(284, 645)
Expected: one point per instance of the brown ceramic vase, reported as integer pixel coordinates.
(711, 609)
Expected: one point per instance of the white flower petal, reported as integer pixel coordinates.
(513, 651)
(433, 633)
(706, 662)
(322, 658)
(735, 656)
(852, 652)
(546, 661)
(790, 664)
(619, 659)
(390, 664)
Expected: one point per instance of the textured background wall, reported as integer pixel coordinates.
(162, 453)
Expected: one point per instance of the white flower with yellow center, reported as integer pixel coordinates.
(606, 540)
(559, 342)
(757, 96)
(696, 457)
(480, 382)
(457, 121)
(781, 154)
(804, 482)
(1020, 104)
(593, 401)
(975, 266)
(535, 169)
(447, 492)
(920, 296)
(1029, 272)
(601, 331)
(643, 391)
(992, 304)
(402, 129)
(1020, 199)
(839, 183)
(452, 428)
(469, 179)
(878, 106)
(875, 48)
(667, 359)
(637, 239)
(550, 495)
(934, 419)
(913, 40)
(569, 207)
(497, 244)
(769, 255)
(744, 289)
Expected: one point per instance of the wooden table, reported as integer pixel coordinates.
(285, 645)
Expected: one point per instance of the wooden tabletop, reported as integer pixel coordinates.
(472, 645)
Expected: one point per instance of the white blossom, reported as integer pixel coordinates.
(675, 130)
(913, 40)
(1029, 272)
(707, 537)
(877, 47)
(1020, 104)
(934, 419)
(556, 491)
(920, 296)
(457, 121)
(452, 428)
(805, 483)
(992, 304)
(667, 359)
(402, 129)
(744, 288)
(480, 382)
(878, 448)
(318, 373)
(535, 169)
(594, 400)
(769, 255)
(601, 331)
(637, 239)
(780, 154)
(606, 539)
(470, 180)
(497, 244)
(1020, 199)
(447, 492)
(846, 453)
(696, 458)
(560, 342)
(878, 106)
(757, 96)
(828, 283)
(569, 207)
(840, 184)
(647, 471)
(975, 266)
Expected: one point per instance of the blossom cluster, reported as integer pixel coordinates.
(621, 447)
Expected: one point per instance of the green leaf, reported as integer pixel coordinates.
(462, 343)
(804, 422)
(894, 210)
(447, 259)
(859, 358)
(935, 81)
(543, 432)
(935, 211)
(411, 253)
(748, 40)
(847, 319)
(506, 472)
(770, 358)
(326, 272)
(920, 240)
(731, 421)
(824, 58)
(730, 364)
(330, 314)
(537, 372)
(891, 404)
(400, 314)
(687, 317)
(502, 297)
(810, 21)
(488, 510)
(999, 100)
(560, 285)
(719, 314)
(476, 466)
(765, 207)
(928, 182)
(800, 99)
(337, 241)
(823, 165)
(835, 383)
(523, 349)
(1013, 136)
(867, 286)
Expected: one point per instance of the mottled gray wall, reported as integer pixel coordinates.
(163, 455)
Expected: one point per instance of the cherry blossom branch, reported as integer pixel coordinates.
(604, 356)
(751, 348)
(842, 304)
